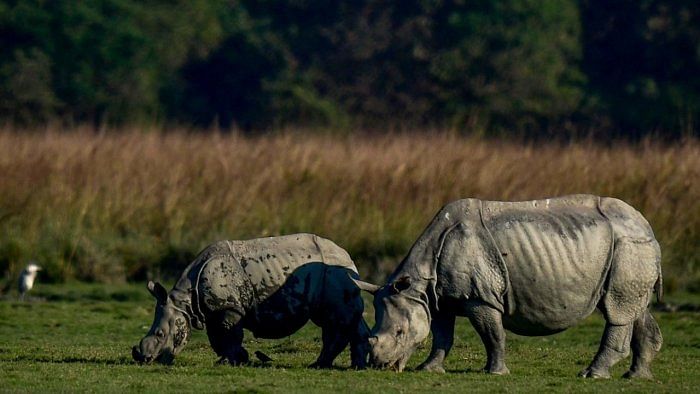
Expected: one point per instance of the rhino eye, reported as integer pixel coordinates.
(399, 333)
(160, 334)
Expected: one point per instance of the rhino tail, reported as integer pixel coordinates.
(659, 284)
(659, 288)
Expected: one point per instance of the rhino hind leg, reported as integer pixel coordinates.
(442, 328)
(488, 324)
(614, 346)
(226, 338)
(646, 342)
(633, 274)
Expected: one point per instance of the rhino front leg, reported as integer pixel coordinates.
(614, 346)
(443, 329)
(488, 323)
(226, 338)
(359, 346)
(334, 341)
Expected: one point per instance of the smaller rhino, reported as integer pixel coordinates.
(269, 286)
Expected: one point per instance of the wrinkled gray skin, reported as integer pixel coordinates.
(533, 268)
(269, 286)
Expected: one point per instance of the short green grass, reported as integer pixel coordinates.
(78, 337)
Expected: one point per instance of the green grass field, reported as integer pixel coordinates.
(77, 337)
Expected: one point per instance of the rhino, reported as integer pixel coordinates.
(532, 267)
(269, 286)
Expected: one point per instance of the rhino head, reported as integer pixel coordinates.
(168, 334)
(402, 322)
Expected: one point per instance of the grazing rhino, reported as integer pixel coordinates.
(534, 268)
(270, 286)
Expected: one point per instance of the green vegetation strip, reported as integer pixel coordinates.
(78, 337)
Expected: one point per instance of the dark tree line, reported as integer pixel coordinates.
(518, 66)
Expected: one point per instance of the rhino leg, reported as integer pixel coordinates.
(226, 338)
(488, 323)
(443, 329)
(359, 346)
(646, 342)
(334, 341)
(614, 346)
(338, 312)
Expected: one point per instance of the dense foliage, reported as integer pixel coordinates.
(533, 66)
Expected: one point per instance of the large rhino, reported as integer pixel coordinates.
(534, 268)
(270, 286)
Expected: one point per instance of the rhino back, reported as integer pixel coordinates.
(626, 221)
(240, 275)
(557, 257)
(268, 262)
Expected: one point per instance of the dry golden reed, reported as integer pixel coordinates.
(128, 205)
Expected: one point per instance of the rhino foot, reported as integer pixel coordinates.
(319, 365)
(498, 371)
(227, 361)
(638, 374)
(431, 368)
(594, 374)
(240, 357)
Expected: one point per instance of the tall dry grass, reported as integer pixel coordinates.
(124, 206)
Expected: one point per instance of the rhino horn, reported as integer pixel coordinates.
(368, 287)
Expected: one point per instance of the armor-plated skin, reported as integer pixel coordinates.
(270, 286)
(534, 268)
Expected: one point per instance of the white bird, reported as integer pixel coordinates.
(26, 279)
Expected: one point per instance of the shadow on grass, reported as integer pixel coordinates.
(275, 365)
(128, 361)
(73, 360)
(478, 371)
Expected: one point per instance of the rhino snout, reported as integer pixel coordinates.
(140, 357)
(136, 355)
(143, 353)
(385, 353)
(377, 356)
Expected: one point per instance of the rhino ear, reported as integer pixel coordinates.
(368, 287)
(401, 284)
(158, 292)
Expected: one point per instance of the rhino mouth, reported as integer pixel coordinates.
(137, 356)
(397, 365)
(165, 358)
